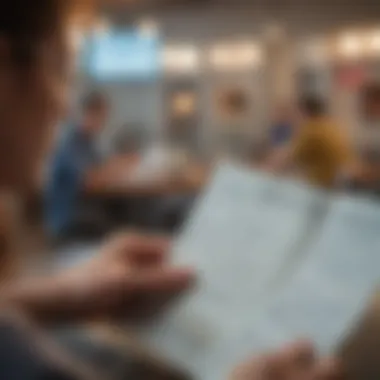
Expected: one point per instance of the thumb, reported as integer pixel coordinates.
(161, 281)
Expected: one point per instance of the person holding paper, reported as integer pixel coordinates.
(131, 276)
(320, 152)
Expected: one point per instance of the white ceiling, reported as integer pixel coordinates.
(295, 14)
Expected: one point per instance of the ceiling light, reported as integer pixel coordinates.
(181, 58)
(235, 56)
(374, 42)
(350, 46)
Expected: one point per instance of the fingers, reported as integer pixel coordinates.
(327, 369)
(139, 251)
(289, 363)
(160, 281)
(147, 252)
(252, 369)
(152, 292)
(295, 362)
(300, 362)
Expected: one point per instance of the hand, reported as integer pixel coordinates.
(130, 278)
(294, 362)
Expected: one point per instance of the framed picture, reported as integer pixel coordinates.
(183, 104)
(232, 103)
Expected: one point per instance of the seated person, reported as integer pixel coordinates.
(73, 165)
(77, 168)
(320, 151)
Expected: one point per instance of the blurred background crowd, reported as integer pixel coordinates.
(165, 89)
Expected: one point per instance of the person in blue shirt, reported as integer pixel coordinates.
(74, 166)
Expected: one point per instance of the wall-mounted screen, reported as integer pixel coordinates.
(125, 56)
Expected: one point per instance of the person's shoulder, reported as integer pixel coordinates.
(335, 133)
(335, 128)
(69, 135)
(322, 126)
(328, 123)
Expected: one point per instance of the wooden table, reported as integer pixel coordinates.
(190, 181)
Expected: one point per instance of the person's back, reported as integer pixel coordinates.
(65, 180)
(321, 149)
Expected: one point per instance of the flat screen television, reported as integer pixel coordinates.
(123, 56)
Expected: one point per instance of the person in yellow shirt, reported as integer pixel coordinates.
(320, 151)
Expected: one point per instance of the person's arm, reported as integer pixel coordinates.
(96, 179)
(108, 174)
(47, 299)
(129, 277)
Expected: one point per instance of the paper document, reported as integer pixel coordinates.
(332, 288)
(244, 239)
(322, 302)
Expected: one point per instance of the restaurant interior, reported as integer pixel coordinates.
(189, 84)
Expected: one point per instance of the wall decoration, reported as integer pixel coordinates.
(232, 103)
(182, 112)
(183, 104)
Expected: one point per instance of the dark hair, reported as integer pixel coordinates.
(313, 106)
(24, 25)
(93, 101)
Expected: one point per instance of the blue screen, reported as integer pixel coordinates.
(124, 55)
